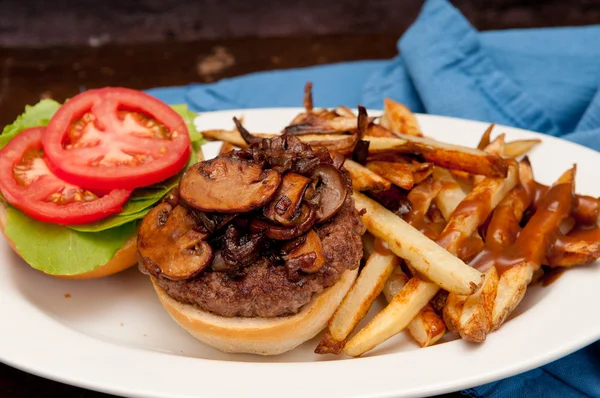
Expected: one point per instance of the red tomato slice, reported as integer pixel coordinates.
(114, 138)
(28, 184)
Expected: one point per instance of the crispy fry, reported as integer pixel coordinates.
(344, 111)
(365, 290)
(329, 345)
(401, 310)
(496, 148)
(399, 119)
(421, 197)
(421, 171)
(470, 316)
(504, 225)
(426, 327)
(425, 255)
(319, 125)
(398, 173)
(534, 241)
(441, 154)
(515, 149)
(486, 137)
(364, 179)
(450, 194)
(585, 211)
(231, 136)
(476, 207)
(570, 251)
(466, 314)
(343, 144)
(378, 130)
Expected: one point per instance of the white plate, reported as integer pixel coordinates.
(113, 335)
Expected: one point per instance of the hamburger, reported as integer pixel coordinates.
(255, 249)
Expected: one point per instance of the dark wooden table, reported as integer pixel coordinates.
(26, 75)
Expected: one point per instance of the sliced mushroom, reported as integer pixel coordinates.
(288, 199)
(170, 244)
(227, 185)
(301, 224)
(299, 257)
(332, 191)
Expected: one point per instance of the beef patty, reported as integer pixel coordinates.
(266, 290)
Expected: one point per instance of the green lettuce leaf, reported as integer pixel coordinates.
(138, 205)
(58, 250)
(36, 115)
(188, 117)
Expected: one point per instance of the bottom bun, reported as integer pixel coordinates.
(263, 336)
(124, 258)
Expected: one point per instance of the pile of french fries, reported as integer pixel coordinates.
(455, 234)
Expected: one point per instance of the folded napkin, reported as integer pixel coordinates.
(545, 80)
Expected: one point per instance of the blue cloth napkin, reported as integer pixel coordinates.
(545, 80)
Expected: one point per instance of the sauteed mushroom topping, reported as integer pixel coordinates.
(259, 202)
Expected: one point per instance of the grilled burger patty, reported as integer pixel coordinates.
(266, 290)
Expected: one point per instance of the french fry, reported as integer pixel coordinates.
(421, 171)
(586, 210)
(470, 316)
(329, 345)
(476, 207)
(421, 197)
(496, 148)
(394, 318)
(231, 136)
(399, 119)
(378, 130)
(466, 314)
(426, 327)
(320, 125)
(343, 144)
(426, 256)
(441, 154)
(504, 224)
(569, 251)
(450, 194)
(486, 137)
(399, 174)
(364, 179)
(535, 238)
(515, 149)
(344, 111)
(365, 290)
